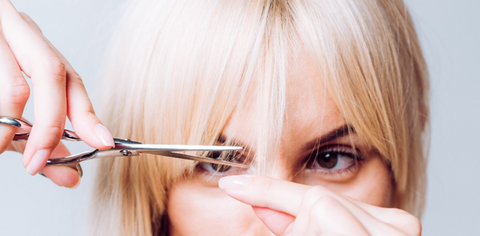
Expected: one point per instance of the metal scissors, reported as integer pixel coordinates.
(123, 147)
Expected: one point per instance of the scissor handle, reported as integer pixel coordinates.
(25, 128)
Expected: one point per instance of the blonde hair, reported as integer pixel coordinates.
(178, 69)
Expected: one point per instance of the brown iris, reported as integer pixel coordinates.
(327, 160)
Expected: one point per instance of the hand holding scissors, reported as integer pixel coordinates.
(57, 91)
(123, 147)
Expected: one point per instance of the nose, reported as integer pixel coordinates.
(281, 168)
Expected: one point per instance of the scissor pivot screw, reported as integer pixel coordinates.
(126, 153)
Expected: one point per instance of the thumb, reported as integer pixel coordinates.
(276, 221)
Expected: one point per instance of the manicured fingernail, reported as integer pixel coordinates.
(104, 135)
(234, 182)
(38, 161)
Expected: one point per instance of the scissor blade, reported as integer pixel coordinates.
(174, 147)
(195, 158)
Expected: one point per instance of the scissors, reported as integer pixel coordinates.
(123, 147)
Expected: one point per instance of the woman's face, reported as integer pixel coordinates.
(314, 150)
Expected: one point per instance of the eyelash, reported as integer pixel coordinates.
(336, 150)
(341, 150)
(214, 173)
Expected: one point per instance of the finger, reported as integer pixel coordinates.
(291, 198)
(10, 147)
(67, 175)
(17, 146)
(287, 197)
(79, 107)
(61, 175)
(279, 195)
(277, 222)
(48, 74)
(265, 192)
(326, 215)
(50, 112)
(64, 176)
(396, 218)
(29, 21)
(379, 220)
(80, 111)
(14, 92)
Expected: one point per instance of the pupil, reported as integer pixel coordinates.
(327, 160)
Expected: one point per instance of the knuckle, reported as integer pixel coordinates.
(327, 202)
(315, 191)
(16, 93)
(414, 225)
(56, 67)
(74, 77)
(30, 22)
(409, 222)
(324, 204)
(312, 196)
(55, 128)
(24, 15)
(396, 212)
(51, 134)
(87, 113)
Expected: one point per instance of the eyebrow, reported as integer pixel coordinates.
(332, 135)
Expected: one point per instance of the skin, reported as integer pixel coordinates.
(291, 199)
(58, 92)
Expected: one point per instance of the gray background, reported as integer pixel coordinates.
(450, 35)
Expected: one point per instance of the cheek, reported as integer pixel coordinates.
(373, 185)
(194, 209)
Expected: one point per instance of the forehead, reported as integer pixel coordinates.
(310, 110)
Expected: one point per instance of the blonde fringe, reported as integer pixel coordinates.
(177, 71)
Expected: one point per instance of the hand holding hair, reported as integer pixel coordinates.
(288, 208)
(58, 91)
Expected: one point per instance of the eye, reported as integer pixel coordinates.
(216, 168)
(332, 159)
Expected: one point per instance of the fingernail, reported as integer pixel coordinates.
(234, 182)
(104, 135)
(38, 161)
